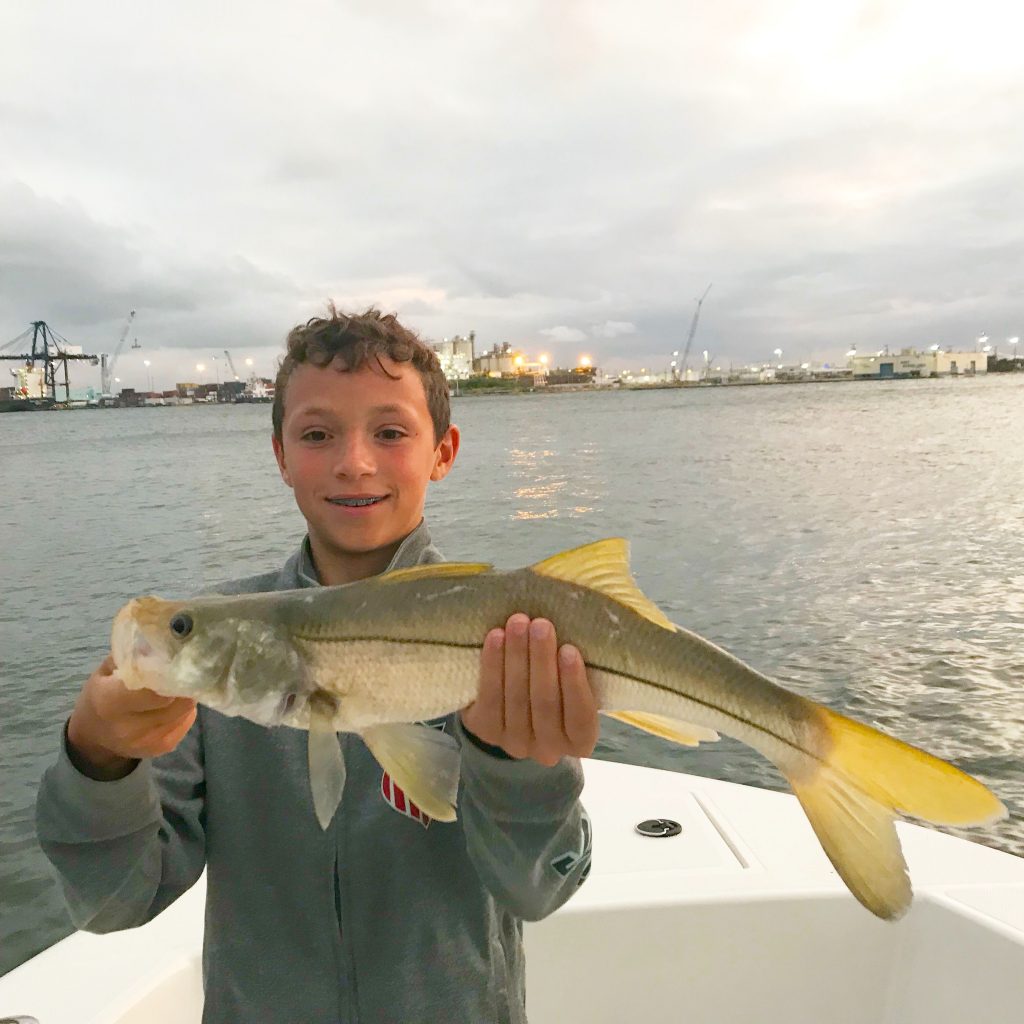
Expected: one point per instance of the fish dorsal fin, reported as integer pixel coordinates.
(603, 566)
(435, 570)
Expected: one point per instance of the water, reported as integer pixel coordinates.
(862, 543)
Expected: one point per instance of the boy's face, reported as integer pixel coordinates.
(358, 450)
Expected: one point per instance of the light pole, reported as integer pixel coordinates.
(1012, 342)
(149, 374)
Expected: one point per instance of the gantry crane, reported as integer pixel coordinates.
(50, 349)
(231, 364)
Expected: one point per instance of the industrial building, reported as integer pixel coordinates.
(908, 362)
(456, 356)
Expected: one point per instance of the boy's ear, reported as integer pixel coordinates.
(279, 455)
(444, 454)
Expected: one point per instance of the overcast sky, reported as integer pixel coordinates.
(567, 177)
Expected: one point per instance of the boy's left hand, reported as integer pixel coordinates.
(535, 698)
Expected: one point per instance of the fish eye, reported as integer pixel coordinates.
(181, 625)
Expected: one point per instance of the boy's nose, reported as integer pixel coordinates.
(354, 459)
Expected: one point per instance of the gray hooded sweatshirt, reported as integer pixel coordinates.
(385, 917)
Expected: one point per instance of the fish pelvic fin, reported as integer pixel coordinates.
(603, 566)
(423, 761)
(863, 782)
(686, 733)
(326, 773)
(435, 570)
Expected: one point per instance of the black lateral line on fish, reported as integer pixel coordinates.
(599, 668)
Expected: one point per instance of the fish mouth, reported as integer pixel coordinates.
(139, 663)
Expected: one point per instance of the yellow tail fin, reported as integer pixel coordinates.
(865, 779)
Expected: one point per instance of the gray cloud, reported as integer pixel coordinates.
(841, 177)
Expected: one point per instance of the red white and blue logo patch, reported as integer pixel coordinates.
(395, 796)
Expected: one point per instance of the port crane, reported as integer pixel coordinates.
(107, 363)
(693, 330)
(49, 348)
(231, 364)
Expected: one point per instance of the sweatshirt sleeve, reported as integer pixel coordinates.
(526, 831)
(127, 849)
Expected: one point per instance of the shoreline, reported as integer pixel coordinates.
(552, 389)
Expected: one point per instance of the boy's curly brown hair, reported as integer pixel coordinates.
(351, 341)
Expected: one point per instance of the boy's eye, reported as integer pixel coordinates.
(390, 434)
(314, 435)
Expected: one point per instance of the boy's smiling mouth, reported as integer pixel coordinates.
(357, 501)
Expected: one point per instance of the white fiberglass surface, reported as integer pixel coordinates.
(790, 961)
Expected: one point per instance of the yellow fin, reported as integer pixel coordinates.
(907, 779)
(423, 761)
(435, 570)
(667, 728)
(864, 780)
(858, 835)
(603, 566)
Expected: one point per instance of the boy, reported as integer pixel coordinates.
(385, 916)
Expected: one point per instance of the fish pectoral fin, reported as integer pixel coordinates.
(686, 733)
(604, 566)
(326, 773)
(423, 761)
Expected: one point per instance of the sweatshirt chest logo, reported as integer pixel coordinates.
(394, 795)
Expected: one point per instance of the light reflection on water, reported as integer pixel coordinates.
(859, 543)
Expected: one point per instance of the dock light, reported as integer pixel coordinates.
(1013, 340)
(851, 353)
(987, 349)
(543, 360)
(935, 348)
(673, 363)
(778, 353)
(585, 361)
(518, 360)
(805, 366)
(201, 367)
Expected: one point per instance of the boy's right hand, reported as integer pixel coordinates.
(112, 727)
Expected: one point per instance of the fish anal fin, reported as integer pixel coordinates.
(435, 570)
(423, 761)
(603, 566)
(326, 773)
(687, 734)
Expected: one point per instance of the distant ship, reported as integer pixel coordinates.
(25, 404)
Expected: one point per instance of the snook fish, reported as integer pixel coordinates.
(377, 656)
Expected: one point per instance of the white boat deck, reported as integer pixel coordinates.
(740, 918)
